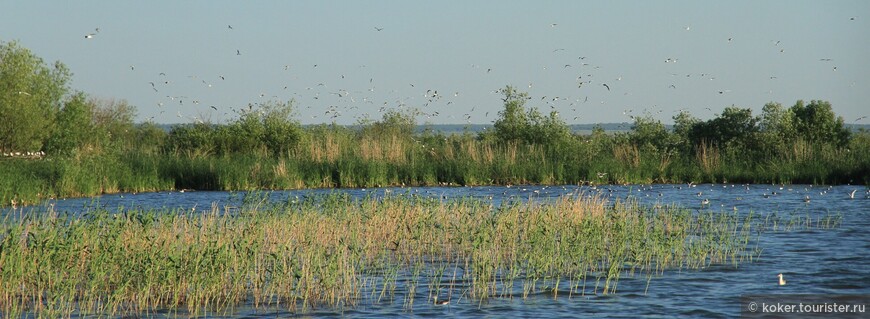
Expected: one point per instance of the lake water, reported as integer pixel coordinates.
(814, 261)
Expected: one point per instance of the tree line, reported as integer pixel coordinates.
(266, 147)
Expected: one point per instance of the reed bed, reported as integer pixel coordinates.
(340, 157)
(334, 251)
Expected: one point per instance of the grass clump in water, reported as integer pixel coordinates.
(335, 251)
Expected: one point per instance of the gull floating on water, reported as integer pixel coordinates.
(781, 280)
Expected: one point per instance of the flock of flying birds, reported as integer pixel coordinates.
(428, 103)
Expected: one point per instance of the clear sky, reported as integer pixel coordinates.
(345, 60)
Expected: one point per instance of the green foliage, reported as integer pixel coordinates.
(734, 125)
(149, 137)
(683, 124)
(192, 139)
(113, 124)
(401, 123)
(517, 124)
(269, 127)
(31, 95)
(95, 146)
(816, 122)
(651, 135)
(73, 127)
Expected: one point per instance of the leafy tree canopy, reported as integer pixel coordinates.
(31, 94)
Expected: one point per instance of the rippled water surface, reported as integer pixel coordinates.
(818, 261)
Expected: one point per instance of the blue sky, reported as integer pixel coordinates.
(656, 57)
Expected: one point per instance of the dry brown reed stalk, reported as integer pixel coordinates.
(337, 252)
(280, 170)
(627, 154)
(397, 149)
(370, 149)
(708, 157)
(510, 153)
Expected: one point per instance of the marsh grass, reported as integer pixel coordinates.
(335, 251)
(334, 156)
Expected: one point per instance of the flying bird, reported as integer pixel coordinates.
(238, 52)
(91, 35)
(379, 29)
(607, 86)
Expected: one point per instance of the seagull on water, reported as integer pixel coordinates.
(781, 280)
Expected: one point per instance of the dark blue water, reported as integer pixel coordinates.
(813, 261)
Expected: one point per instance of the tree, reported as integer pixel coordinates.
(31, 95)
(270, 126)
(683, 123)
(517, 124)
(73, 127)
(777, 122)
(734, 125)
(513, 122)
(281, 131)
(650, 134)
(816, 122)
(396, 123)
(113, 124)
